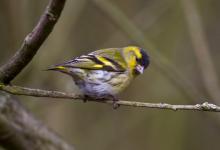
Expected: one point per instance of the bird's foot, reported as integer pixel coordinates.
(103, 98)
(115, 104)
(114, 101)
(86, 98)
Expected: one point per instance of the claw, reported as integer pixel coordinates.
(115, 104)
(106, 97)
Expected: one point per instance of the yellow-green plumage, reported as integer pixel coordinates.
(105, 72)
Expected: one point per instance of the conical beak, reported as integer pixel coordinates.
(140, 69)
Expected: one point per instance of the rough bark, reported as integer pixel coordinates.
(21, 131)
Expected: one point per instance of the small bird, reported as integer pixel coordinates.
(103, 73)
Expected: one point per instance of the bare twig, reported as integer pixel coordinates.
(17, 90)
(32, 42)
(201, 49)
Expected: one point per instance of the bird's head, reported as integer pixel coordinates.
(136, 58)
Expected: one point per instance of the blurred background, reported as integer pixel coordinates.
(182, 39)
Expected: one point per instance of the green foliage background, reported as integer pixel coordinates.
(84, 27)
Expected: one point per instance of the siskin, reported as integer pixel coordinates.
(104, 73)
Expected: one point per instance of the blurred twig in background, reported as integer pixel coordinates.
(162, 63)
(201, 49)
(144, 18)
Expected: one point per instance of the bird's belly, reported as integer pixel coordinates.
(99, 83)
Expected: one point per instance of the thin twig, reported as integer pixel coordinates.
(32, 42)
(17, 90)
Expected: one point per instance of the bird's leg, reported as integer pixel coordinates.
(86, 98)
(115, 104)
(103, 98)
(114, 100)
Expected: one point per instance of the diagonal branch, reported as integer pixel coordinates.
(32, 42)
(17, 90)
(18, 128)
